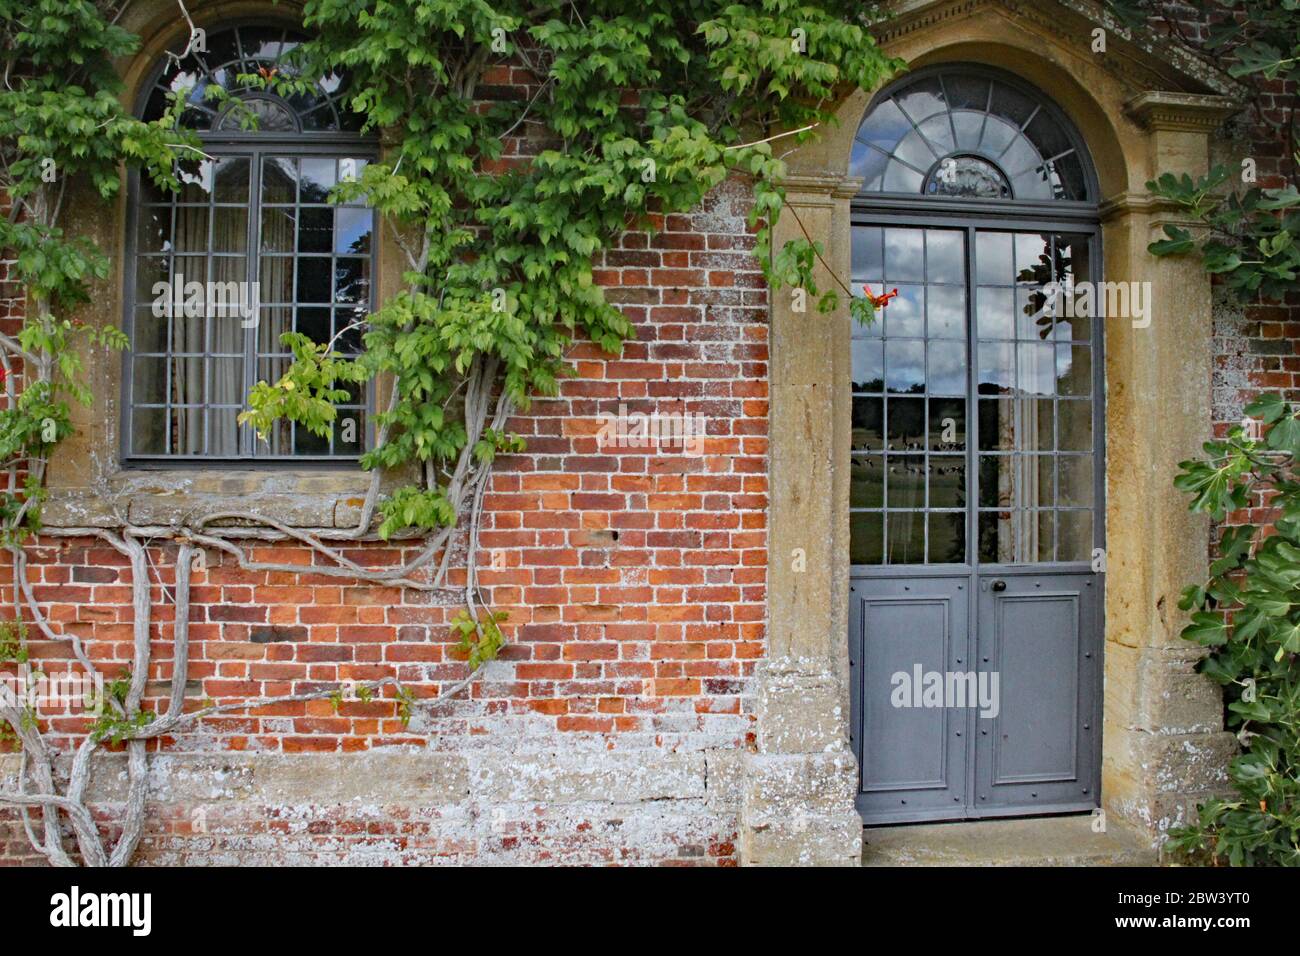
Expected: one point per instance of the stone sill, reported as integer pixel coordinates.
(298, 498)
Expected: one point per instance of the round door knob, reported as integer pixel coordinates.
(999, 585)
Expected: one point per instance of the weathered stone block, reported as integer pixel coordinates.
(569, 777)
(800, 707)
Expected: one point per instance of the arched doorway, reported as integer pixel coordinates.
(977, 454)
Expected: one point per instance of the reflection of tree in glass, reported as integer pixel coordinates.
(313, 192)
(351, 281)
(1054, 266)
(907, 423)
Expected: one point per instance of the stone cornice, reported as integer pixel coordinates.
(1147, 58)
(821, 184)
(1190, 112)
(1158, 210)
(848, 188)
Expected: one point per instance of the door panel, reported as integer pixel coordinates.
(914, 757)
(1039, 636)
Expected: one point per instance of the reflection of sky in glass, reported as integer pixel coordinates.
(945, 256)
(904, 255)
(905, 313)
(947, 368)
(946, 311)
(1031, 252)
(353, 230)
(921, 100)
(904, 137)
(868, 253)
(993, 263)
(318, 178)
(1036, 368)
(885, 126)
(938, 131)
(994, 313)
(996, 365)
(904, 366)
(867, 366)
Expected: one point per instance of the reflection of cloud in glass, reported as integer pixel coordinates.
(905, 366)
(904, 315)
(945, 256)
(947, 368)
(904, 255)
(866, 365)
(946, 311)
(885, 126)
(1036, 368)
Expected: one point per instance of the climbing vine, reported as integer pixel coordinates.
(630, 114)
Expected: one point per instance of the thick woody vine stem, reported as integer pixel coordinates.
(36, 784)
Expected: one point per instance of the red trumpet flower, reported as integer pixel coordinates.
(879, 301)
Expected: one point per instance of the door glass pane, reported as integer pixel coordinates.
(947, 480)
(947, 368)
(945, 312)
(868, 366)
(867, 482)
(1074, 370)
(945, 257)
(906, 537)
(905, 314)
(1074, 425)
(905, 482)
(1034, 381)
(1015, 537)
(904, 366)
(906, 424)
(1075, 533)
(904, 255)
(868, 423)
(866, 538)
(922, 368)
(948, 424)
(947, 542)
(1076, 481)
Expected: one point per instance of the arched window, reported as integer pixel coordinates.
(249, 249)
(970, 134)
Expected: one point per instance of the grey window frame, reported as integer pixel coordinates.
(253, 146)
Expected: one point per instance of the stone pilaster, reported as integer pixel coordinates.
(800, 782)
(1164, 743)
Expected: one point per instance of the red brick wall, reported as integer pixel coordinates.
(633, 578)
(1256, 344)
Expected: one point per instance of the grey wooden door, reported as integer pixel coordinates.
(976, 487)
